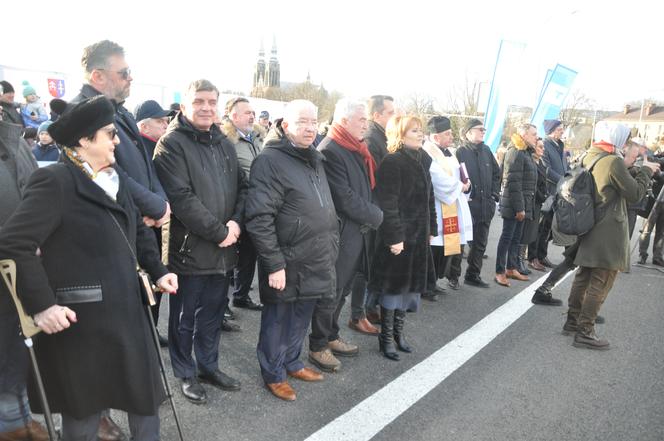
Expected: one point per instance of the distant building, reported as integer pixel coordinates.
(267, 76)
(646, 122)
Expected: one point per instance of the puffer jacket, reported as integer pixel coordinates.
(206, 188)
(519, 182)
(292, 220)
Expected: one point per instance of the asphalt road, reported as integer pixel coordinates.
(528, 383)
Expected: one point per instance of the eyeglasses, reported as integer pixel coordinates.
(481, 129)
(124, 73)
(112, 133)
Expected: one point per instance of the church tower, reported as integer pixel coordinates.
(259, 71)
(273, 73)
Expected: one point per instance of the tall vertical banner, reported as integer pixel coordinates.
(553, 96)
(503, 85)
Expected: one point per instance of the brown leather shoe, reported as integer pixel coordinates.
(536, 265)
(514, 274)
(109, 431)
(282, 390)
(307, 374)
(373, 317)
(34, 431)
(501, 279)
(362, 325)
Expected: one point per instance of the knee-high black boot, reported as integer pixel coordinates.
(399, 337)
(386, 336)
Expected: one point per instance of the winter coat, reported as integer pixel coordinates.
(206, 188)
(246, 148)
(292, 221)
(15, 170)
(132, 158)
(405, 194)
(11, 113)
(555, 163)
(46, 153)
(376, 141)
(606, 245)
(351, 192)
(33, 109)
(484, 174)
(531, 226)
(107, 359)
(519, 182)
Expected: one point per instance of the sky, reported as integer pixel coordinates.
(358, 48)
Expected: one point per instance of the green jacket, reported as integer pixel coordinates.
(607, 244)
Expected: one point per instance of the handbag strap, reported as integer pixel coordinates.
(131, 249)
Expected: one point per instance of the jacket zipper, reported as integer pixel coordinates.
(320, 199)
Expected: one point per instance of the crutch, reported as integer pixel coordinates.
(155, 337)
(28, 328)
(649, 223)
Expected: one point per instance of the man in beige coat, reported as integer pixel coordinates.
(604, 250)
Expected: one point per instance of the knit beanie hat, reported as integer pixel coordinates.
(550, 125)
(28, 89)
(43, 127)
(473, 122)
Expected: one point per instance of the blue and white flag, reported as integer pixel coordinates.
(553, 96)
(503, 88)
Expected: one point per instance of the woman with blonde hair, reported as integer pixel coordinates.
(402, 260)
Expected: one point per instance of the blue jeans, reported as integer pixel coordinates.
(14, 411)
(194, 321)
(508, 245)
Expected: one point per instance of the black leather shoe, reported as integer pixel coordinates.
(247, 303)
(227, 326)
(193, 391)
(163, 341)
(658, 261)
(544, 297)
(643, 259)
(547, 263)
(430, 296)
(220, 380)
(228, 314)
(476, 281)
(453, 283)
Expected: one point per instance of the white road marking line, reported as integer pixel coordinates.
(366, 419)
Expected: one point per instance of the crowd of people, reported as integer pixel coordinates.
(382, 207)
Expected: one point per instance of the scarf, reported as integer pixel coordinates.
(107, 179)
(349, 142)
(607, 147)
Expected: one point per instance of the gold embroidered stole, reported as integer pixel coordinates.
(451, 232)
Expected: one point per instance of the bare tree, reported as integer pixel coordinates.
(419, 104)
(464, 99)
(576, 109)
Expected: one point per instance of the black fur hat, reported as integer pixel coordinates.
(82, 120)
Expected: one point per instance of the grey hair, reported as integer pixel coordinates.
(201, 85)
(294, 108)
(96, 56)
(523, 128)
(346, 107)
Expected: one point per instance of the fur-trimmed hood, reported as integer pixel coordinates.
(234, 136)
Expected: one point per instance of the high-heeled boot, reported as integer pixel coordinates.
(386, 336)
(522, 259)
(399, 337)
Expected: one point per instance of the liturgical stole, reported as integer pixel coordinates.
(451, 233)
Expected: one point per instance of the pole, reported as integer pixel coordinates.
(28, 329)
(155, 337)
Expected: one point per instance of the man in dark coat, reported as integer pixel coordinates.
(350, 173)
(83, 286)
(293, 224)
(107, 73)
(200, 172)
(380, 109)
(484, 173)
(152, 122)
(14, 173)
(9, 108)
(555, 163)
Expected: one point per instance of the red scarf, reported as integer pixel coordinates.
(609, 148)
(349, 142)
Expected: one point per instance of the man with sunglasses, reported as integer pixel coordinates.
(484, 173)
(107, 73)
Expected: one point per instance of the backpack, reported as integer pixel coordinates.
(575, 199)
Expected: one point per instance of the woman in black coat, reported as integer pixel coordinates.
(402, 257)
(75, 238)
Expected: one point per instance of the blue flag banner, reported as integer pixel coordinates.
(547, 78)
(503, 85)
(553, 96)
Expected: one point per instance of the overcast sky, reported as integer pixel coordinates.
(357, 47)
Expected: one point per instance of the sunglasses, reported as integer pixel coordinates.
(124, 73)
(112, 133)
